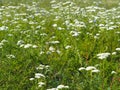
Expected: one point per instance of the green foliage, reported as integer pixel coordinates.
(46, 44)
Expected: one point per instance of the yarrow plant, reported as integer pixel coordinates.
(40, 77)
(89, 68)
(59, 44)
(103, 55)
(60, 87)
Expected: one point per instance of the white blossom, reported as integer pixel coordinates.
(95, 71)
(40, 84)
(67, 47)
(39, 75)
(117, 49)
(54, 25)
(2, 28)
(113, 72)
(27, 45)
(82, 68)
(62, 86)
(75, 33)
(10, 56)
(31, 79)
(34, 46)
(54, 42)
(53, 89)
(90, 68)
(4, 41)
(20, 42)
(114, 53)
(103, 55)
(52, 49)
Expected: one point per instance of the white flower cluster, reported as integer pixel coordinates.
(67, 47)
(10, 56)
(3, 42)
(52, 50)
(28, 46)
(40, 84)
(60, 87)
(117, 49)
(39, 76)
(2, 28)
(113, 72)
(52, 42)
(103, 55)
(41, 67)
(21, 44)
(75, 33)
(90, 68)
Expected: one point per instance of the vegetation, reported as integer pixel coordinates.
(59, 45)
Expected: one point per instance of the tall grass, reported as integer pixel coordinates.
(59, 45)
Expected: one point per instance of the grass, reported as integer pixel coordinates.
(67, 45)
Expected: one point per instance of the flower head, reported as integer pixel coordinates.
(90, 68)
(95, 71)
(103, 55)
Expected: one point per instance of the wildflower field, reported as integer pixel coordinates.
(59, 45)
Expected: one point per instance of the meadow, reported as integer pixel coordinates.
(59, 45)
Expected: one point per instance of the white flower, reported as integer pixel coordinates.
(82, 68)
(75, 33)
(117, 49)
(113, 72)
(4, 41)
(67, 47)
(40, 84)
(34, 46)
(2, 28)
(62, 86)
(54, 42)
(113, 53)
(27, 45)
(118, 32)
(96, 37)
(43, 34)
(52, 49)
(103, 55)
(41, 67)
(31, 22)
(54, 25)
(90, 68)
(53, 1)
(31, 79)
(53, 89)
(20, 42)
(42, 52)
(10, 56)
(95, 71)
(1, 44)
(58, 51)
(22, 45)
(39, 75)
(47, 66)
(59, 28)
(10, 35)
